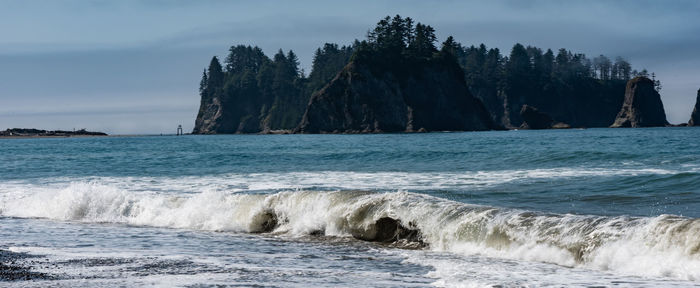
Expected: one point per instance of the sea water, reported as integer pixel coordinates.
(593, 207)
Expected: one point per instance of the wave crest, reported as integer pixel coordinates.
(666, 245)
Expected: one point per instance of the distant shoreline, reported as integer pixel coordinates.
(38, 133)
(52, 136)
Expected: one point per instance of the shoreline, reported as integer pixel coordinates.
(50, 136)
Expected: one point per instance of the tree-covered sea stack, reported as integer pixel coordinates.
(252, 93)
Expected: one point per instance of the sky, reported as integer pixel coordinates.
(133, 66)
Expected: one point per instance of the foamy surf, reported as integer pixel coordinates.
(663, 246)
(348, 180)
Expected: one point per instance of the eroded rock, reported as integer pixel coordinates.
(642, 106)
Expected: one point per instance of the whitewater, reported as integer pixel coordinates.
(597, 207)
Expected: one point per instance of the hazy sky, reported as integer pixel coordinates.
(134, 66)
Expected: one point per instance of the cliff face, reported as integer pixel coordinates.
(582, 103)
(360, 100)
(695, 117)
(222, 115)
(642, 106)
(229, 115)
(209, 117)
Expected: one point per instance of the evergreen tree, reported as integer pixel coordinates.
(215, 80)
(493, 67)
(397, 35)
(657, 83)
(410, 30)
(423, 44)
(451, 46)
(548, 63)
(203, 84)
(539, 74)
(243, 57)
(623, 68)
(327, 62)
(284, 75)
(518, 68)
(603, 66)
(293, 63)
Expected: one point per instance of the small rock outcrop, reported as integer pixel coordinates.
(534, 119)
(360, 99)
(695, 117)
(642, 106)
(392, 231)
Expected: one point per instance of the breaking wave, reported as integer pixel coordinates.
(667, 246)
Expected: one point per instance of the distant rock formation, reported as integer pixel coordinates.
(30, 132)
(695, 117)
(642, 106)
(431, 97)
(397, 80)
(534, 119)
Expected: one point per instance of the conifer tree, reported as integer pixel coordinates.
(451, 46)
(215, 80)
(203, 84)
(293, 63)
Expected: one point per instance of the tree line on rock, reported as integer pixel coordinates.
(253, 93)
(569, 86)
(397, 39)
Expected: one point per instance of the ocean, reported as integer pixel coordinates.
(550, 208)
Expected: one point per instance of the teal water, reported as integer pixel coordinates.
(565, 200)
(642, 172)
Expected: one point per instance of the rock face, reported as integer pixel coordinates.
(534, 119)
(431, 98)
(695, 117)
(388, 230)
(209, 117)
(642, 106)
(584, 102)
(247, 112)
(253, 94)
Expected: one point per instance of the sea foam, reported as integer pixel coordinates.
(347, 180)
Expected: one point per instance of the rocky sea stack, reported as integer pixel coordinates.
(695, 117)
(534, 119)
(398, 80)
(642, 106)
